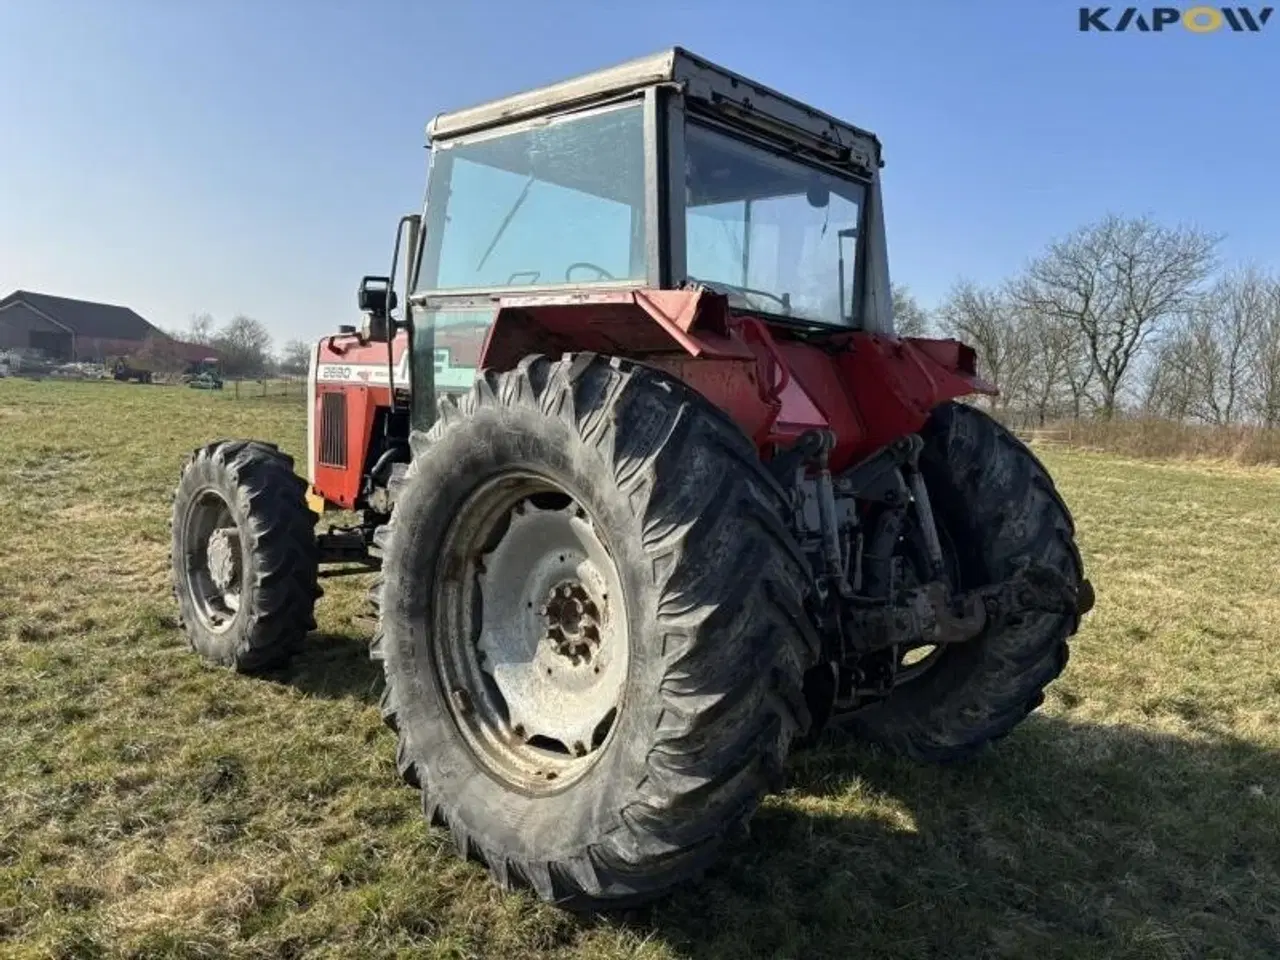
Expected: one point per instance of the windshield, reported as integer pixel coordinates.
(556, 203)
(774, 235)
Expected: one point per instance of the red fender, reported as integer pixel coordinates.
(869, 389)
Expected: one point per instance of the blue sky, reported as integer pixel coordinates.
(229, 156)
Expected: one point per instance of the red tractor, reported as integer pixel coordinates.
(652, 489)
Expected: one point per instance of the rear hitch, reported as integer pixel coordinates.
(931, 615)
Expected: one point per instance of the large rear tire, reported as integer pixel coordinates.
(592, 629)
(995, 505)
(244, 557)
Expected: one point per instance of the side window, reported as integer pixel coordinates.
(447, 343)
(562, 202)
(456, 338)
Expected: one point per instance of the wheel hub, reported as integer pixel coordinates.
(573, 622)
(215, 568)
(552, 634)
(224, 557)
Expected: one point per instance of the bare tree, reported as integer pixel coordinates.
(295, 357)
(1118, 281)
(1054, 351)
(245, 347)
(1266, 360)
(200, 328)
(1170, 384)
(1080, 376)
(1058, 366)
(987, 321)
(1224, 330)
(909, 318)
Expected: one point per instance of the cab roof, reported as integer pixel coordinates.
(707, 88)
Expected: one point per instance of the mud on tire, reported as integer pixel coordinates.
(267, 554)
(713, 588)
(997, 505)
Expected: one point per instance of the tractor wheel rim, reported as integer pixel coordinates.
(215, 567)
(533, 653)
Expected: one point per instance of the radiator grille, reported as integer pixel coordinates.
(333, 429)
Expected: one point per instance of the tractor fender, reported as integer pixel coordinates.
(623, 322)
(869, 389)
(687, 333)
(896, 384)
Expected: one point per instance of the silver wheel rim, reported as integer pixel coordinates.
(214, 561)
(531, 632)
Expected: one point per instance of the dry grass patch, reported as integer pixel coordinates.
(1166, 440)
(152, 806)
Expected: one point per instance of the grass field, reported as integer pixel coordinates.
(153, 806)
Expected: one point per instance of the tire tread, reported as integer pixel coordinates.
(279, 531)
(734, 649)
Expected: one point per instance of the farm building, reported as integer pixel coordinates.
(63, 329)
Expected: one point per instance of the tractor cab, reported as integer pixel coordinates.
(664, 174)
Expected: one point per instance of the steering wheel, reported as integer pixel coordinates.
(588, 265)
(783, 300)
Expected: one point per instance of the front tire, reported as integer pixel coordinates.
(244, 557)
(995, 505)
(685, 595)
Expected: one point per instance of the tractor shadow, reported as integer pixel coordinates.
(333, 666)
(1067, 839)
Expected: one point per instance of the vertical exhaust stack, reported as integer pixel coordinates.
(313, 372)
(426, 379)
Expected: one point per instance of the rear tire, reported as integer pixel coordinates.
(996, 504)
(244, 556)
(709, 623)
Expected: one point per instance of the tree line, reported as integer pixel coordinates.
(246, 347)
(1123, 316)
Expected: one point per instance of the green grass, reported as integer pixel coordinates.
(153, 806)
